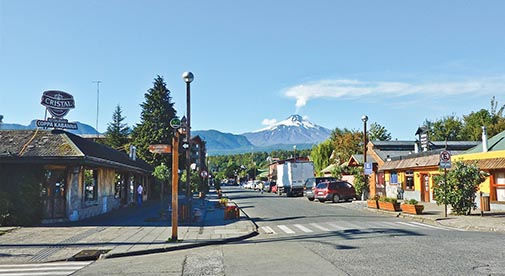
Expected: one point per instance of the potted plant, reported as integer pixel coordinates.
(389, 204)
(412, 206)
(373, 202)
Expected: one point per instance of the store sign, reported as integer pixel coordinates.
(58, 103)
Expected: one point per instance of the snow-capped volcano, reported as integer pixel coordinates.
(293, 130)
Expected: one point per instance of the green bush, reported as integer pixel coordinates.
(388, 199)
(20, 200)
(460, 188)
(411, 201)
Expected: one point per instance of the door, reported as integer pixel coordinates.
(54, 194)
(425, 188)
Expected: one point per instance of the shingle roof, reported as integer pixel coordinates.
(62, 147)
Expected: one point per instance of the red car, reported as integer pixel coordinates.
(335, 191)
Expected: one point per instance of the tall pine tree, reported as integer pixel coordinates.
(154, 126)
(117, 132)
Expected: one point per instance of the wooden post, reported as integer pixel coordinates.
(175, 184)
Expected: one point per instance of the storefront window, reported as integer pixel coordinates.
(394, 178)
(90, 184)
(118, 185)
(409, 180)
(499, 187)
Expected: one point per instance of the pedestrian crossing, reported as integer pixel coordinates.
(41, 269)
(330, 226)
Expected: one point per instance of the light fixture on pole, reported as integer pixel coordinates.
(188, 78)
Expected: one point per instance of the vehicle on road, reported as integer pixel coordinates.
(335, 191)
(291, 177)
(266, 186)
(311, 183)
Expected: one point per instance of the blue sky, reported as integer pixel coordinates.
(256, 62)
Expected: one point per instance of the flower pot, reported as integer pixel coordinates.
(389, 206)
(416, 209)
(372, 203)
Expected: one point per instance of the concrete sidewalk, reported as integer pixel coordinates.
(493, 221)
(124, 232)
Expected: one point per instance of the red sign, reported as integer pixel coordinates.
(160, 148)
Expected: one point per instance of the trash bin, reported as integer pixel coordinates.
(484, 203)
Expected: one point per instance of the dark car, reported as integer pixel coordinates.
(310, 185)
(335, 191)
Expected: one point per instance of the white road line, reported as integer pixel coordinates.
(430, 226)
(390, 224)
(268, 230)
(336, 226)
(286, 229)
(40, 269)
(315, 225)
(409, 224)
(303, 228)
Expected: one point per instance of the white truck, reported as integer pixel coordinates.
(291, 177)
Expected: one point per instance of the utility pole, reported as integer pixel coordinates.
(175, 184)
(97, 104)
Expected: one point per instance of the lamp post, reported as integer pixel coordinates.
(294, 153)
(188, 78)
(364, 118)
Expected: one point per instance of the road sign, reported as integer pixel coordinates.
(160, 148)
(175, 123)
(204, 173)
(445, 159)
(368, 168)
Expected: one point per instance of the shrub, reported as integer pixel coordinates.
(411, 201)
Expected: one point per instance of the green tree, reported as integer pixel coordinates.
(449, 127)
(345, 143)
(320, 155)
(378, 133)
(473, 124)
(117, 132)
(154, 127)
(458, 188)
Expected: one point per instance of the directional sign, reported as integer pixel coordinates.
(175, 123)
(445, 159)
(160, 148)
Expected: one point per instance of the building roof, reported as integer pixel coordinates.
(61, 147)
(417, 161)
(494, 143)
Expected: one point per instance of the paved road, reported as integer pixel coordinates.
(298, 237)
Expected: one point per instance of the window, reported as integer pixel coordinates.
(409, 180)
(499, 186)
(394, 178)
(118, 185)
(90, 185)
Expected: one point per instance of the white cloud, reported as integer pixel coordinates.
(268, 122)
(345, 88)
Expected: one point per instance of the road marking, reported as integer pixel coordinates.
(336, 226)
(56, 268)
(315, 225)
(430, 226)
(286, 229)
(409, 224)
(268, 230)
(303, 228)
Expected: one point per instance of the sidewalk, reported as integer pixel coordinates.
(493, 221)
(124, 232)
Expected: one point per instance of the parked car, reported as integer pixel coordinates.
(335, 191)
(249, 185)
(310, 185)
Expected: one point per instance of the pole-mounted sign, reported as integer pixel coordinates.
(445, 159)
(58, 103)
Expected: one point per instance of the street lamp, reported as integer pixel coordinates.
(364, 118)
(188, 78)
(294, 153)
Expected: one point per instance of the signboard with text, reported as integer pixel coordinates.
(445, 159)
(58, 103)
